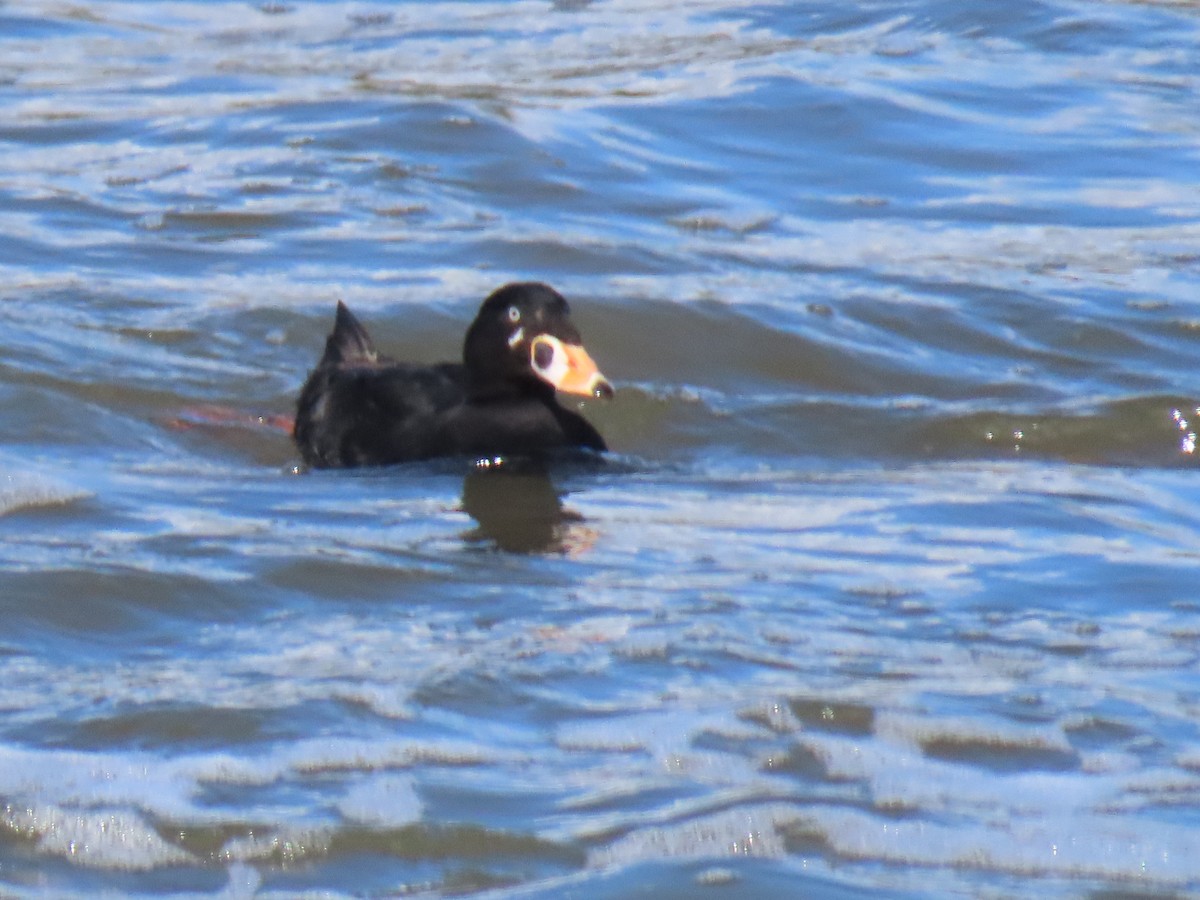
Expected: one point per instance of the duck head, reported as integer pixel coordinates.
(523, 337)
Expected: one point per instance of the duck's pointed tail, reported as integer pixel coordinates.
(349, 341)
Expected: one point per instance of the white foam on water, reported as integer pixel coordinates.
(1047, 845)
(382, 800)
(750, 831)
(21, 489)
(106, 840)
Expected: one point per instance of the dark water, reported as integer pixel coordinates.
(890, 584)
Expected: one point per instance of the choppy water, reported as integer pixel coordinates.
(891, 584)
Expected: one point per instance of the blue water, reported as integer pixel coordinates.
(888, 585)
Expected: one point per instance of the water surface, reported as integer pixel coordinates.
(888, 585)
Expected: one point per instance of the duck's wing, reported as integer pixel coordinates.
(371, 415)
(521, 426)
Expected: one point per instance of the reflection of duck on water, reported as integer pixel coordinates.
(522, 512)
(361, 409)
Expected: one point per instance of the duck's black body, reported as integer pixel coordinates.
(360, 409)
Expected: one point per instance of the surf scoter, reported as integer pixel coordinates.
(359, 408)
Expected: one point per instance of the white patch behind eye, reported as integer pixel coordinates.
(517, 336)
(559, 365)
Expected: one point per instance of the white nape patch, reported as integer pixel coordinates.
(555, 370)
(516, 337)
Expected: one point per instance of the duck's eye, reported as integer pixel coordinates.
(514, 314)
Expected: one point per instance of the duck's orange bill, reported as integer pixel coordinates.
(582, 375)
(570, 369)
